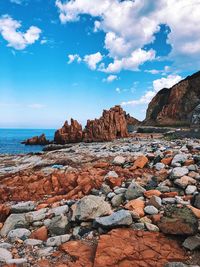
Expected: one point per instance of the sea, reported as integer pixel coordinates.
(10, 140)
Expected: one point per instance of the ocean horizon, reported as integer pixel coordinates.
(11, 138)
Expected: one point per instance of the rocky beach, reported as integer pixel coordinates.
(130, 202)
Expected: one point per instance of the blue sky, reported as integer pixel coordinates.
(63, 59)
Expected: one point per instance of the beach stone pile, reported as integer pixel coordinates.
(123, 210)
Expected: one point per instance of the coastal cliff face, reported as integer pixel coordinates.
(111, 125)
(69, 133)
(175, 106)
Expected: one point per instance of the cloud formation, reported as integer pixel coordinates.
(130, 25)
(93, 59)
(158, 84)
(9, 29)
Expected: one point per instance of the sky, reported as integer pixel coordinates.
(61, 59)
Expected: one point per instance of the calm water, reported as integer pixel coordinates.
(10, 140)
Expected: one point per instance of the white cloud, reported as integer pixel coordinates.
(118, 90)
(158, 84)
(137, 58)
(9, 29)
(19, 2)
(167, 82)
(93, 59)
(73, 58)
(130, 25)
(110, 78)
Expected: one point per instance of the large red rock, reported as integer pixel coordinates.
(37, 140)
(69, 133)
(125, 247)
(176, 105)
(110, 126)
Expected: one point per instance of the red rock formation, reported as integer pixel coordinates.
(37, 140)
(110, 126)
(175, 106)
(69, 133)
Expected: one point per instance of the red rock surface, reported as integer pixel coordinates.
(41, 233)
(175, 106)
(110, 126)
(69, 133)
(37, 140)
(125, 247)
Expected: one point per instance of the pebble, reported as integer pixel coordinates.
(23, 207)
(190, 189)
(179, 172)
(134, 191)
(5, 255)
(119, 160)
(20, 233)
(151, 227)
(33, 242)
(45, 251)
(151, 210)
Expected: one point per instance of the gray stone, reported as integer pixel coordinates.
(110, 195)
(117, 200)
(175, 264)
(17, 261)
(105, 189)
(23, 207)
(151, 227)
(91, 207)
(120, 190)
(20, 233)
(192, 167)
(36, 215)
(33, 242)
(151, 210)
(119, 160)
(47, 222)
(179, 158)
(5, 245)
(159, 166)
(134, 191)
(196, 201)
(5, 255)
(169, 200)
(12, 222)
(118, 218)
(58, 210)
(138, 226)
(45, 252)
(59, 225)
(56, 241)
(179, 172)
(192, 242)
(190, 189)
(112, 174)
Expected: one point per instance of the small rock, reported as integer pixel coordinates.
(179, 172)
(134, 191)
(57, 240)
(45, 252)
(59, 225)
(58, 210)
(12, 222)
(190, 189)
(117, 200)
(196, 201)
(151, 227)
(159, 166)
(192, 242)
(5, 255)
(184, 181)
(17, 261)
(155, 201)
(169, 200)
(118, 218)
(90, 207)
(40, 233)
(179, 158)
(38, 215)
(119, 160)
(20, 233)
(23, 207)
(112, 174)
(151, 210)
(33, 242)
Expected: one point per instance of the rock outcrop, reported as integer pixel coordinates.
(175, 106)
(110, 126)
(69, 133)
(37, 140)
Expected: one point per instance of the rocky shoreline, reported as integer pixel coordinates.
(129, 202)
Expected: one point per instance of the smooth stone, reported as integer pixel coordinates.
(151, 227)
(118, 218)
(169, 200)
(117, 200)
(23, 207)
(17, 261)
(56, 241)
(5, 255)
(179, 172)
(190, 189)
(5, 245)
(179, 158)
(38, 215)
(20, 233)
(112, 174)
(159, 166)
(111, 195)
(58, 210)
(138, 226)
(119, 160)
(12, 222)
(33, 242)
(120, 190)
(151, 210)
(134, 191)
(196, 201)
(155, 201)
(45, 252)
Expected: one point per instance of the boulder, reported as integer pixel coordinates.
(91, 207)
(178, 221)
(118, 218)
(37, 140)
